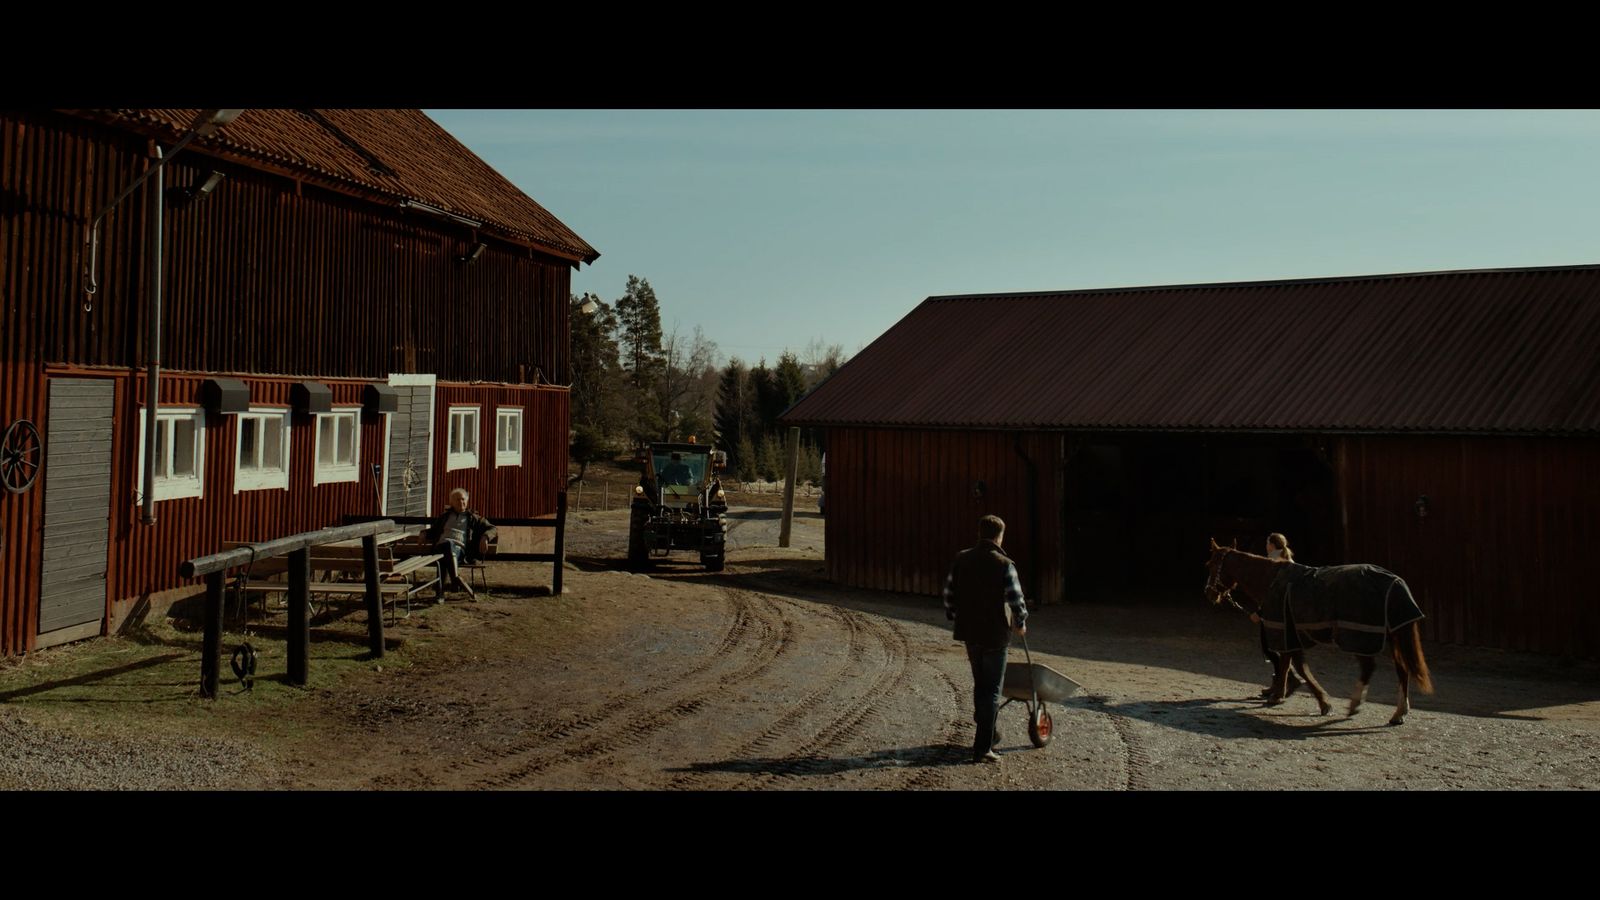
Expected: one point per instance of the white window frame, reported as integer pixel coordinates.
(259, 480)
(168, 487)
(337, 473)
(502, 415)
(456, 454)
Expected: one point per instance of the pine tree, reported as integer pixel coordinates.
(733, 411)
(639, 323)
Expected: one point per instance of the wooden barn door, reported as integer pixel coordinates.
(408, 474)
(77, 509)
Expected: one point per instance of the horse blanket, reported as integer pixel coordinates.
(1353, 607)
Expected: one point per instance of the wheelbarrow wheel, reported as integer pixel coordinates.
(1040, 726)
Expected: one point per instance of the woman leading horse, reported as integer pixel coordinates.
(1357, 608)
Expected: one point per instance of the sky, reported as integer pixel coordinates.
(771, 229)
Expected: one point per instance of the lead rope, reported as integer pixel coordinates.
(244, 656)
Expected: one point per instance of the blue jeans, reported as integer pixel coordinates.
(452, 556)
(988, 677)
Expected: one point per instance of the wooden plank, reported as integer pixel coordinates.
(86, 545)
(57, 636)
(75, 511)
(77, 490)
(80, 607)
(93, 570)
(74, 532)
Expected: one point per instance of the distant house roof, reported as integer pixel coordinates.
(1482, 351)
(397, 154)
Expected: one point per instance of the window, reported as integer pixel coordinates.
(180, 453)
(463, 453)
(508, 436)
(263, 458)
(338, 447)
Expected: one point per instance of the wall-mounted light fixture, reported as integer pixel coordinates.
(207, 186)
(473, 254)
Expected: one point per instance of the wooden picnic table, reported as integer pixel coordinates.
(338, 569)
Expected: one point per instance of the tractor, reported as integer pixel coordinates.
(679, 504)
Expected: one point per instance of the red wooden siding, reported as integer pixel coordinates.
(901, 504)
(266, 275)
(523, 491)
(1498, 560)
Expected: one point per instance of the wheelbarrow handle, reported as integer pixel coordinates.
(1031, 683)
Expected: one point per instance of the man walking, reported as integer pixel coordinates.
(984, 598)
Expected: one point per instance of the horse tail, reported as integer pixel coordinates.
(1408, 650)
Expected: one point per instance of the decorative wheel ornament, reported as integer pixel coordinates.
(21, 456)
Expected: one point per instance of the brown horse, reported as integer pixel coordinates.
(1270, 582)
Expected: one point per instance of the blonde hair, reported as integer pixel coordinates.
(1282, 543)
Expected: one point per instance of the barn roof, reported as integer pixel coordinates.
(1481, 351)
(389, 155)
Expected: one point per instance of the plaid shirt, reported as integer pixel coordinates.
(1019, 609)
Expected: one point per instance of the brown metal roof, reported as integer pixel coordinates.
(1484, 351)
(400, 154)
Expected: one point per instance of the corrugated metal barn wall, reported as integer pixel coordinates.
(45, 176)
(902, 503)
(264, 275)
(144, 558)
(1501, 558)
(522, 491)
(270, 275)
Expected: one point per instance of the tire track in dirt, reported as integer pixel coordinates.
(794, 715)
(1135, 760)
(809, 757)
(540, 732)
(928, 776)
(624, 726)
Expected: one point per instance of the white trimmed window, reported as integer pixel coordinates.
(338, 446)
(180, 453)
(262, 461)
(508, 436)
(463, 453)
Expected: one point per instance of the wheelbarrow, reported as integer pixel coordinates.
(1035, 684)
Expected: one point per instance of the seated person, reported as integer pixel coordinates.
(461, 534)
(676, 472)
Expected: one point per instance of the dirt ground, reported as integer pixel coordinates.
(768, 677)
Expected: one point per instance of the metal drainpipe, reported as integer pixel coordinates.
(1033, 516)
(153, 347)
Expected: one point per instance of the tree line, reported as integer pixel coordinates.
(633, 385)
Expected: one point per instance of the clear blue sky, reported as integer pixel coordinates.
(770, 228)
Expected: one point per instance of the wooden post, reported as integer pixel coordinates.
(211, 652)
(369, 561)
(605, 499)
(580, 495)
(561, 541)
(299, 620)
(788, 487)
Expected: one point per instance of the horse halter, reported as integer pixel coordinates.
(1214, 589)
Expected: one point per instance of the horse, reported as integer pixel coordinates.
(1358, 608)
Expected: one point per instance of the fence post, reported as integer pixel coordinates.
(299, 619)
(788, 487)
(369, 561)
(561, 540)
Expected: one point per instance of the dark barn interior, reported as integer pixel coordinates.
(1139, 508)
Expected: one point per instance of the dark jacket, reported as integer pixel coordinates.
(478, 528)
(977, 589)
